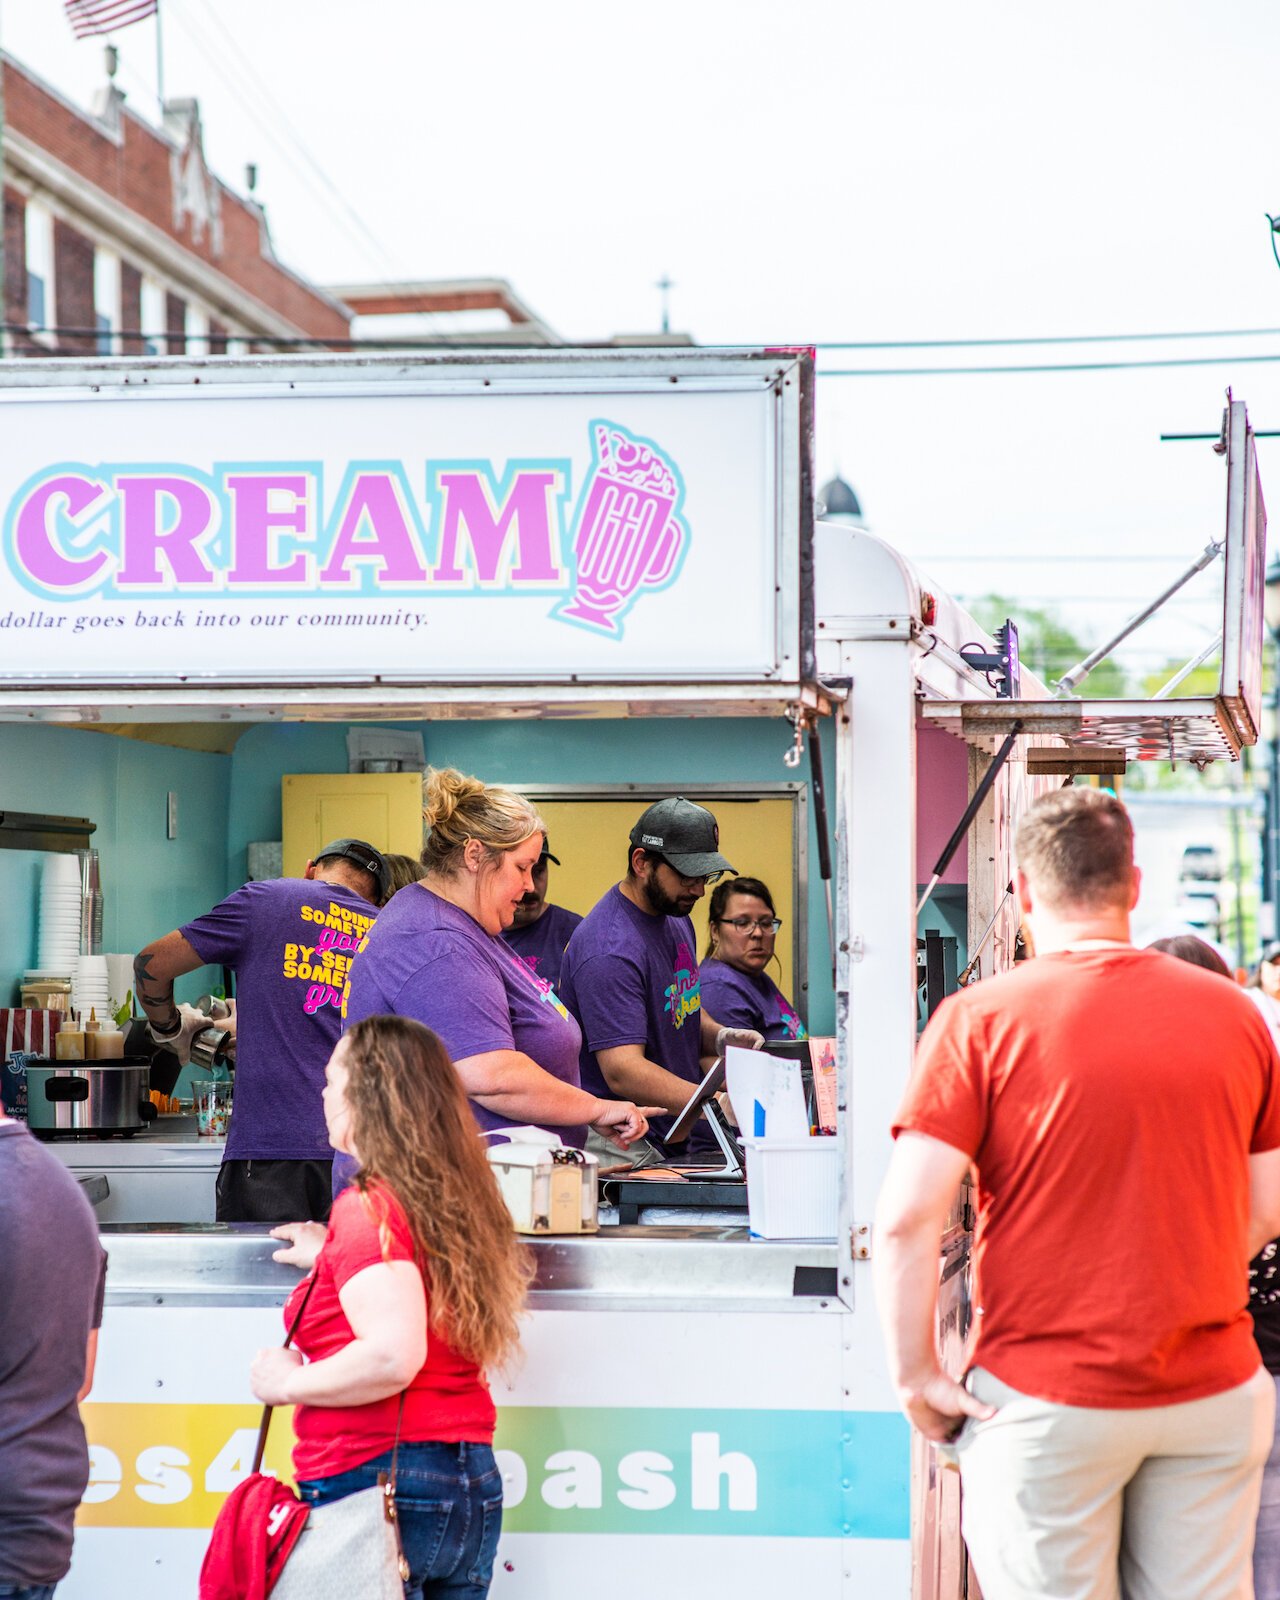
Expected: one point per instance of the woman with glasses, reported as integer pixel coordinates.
(735, 986)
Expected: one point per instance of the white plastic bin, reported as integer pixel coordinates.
(792, 1187)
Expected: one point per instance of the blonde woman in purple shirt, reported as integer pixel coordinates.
(436, 954)
(735, 986)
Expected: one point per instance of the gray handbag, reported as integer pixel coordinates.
(348, 1549)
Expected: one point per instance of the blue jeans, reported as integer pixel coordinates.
(449, 1501)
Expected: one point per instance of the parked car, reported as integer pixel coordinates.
(1201, 863)
(1200, 908)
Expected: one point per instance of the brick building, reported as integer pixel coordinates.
(120, 241)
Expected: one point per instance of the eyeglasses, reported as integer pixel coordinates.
(765, 924)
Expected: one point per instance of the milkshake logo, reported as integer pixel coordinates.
(528, 965)
(277, 530)
(684, 996)
(795, 1029)
(627, 533)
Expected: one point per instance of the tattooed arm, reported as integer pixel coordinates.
(154, 970)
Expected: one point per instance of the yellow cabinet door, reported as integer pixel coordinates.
(382, 808)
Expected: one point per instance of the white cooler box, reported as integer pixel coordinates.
(548, 1188)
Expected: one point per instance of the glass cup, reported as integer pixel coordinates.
(213, 1106)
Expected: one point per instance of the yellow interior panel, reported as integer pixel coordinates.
(591, 838)
(382, 808)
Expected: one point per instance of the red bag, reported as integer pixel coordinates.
(257, 1527)
(259, 1523)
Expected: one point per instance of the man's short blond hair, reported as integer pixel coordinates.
(1076, 848)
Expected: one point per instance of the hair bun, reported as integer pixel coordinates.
(444, 789)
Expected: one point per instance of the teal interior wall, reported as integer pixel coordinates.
(667, 750)
(150, 883)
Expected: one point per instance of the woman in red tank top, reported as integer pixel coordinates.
(419, 1281)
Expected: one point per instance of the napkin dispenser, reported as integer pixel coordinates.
(548, 1187)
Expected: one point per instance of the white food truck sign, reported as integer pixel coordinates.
(406, 523)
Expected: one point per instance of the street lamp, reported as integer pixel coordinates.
(1271, 725)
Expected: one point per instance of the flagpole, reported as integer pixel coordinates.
(159, 63)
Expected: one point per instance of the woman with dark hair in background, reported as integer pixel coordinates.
(1264, 1281)
(401, 872)
(1188, 948)
(742, 931)
(419, 1281)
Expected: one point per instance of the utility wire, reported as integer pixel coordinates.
(1055, 338)
(262, 99)
(1062, 366)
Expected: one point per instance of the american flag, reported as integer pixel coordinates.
(88, 17)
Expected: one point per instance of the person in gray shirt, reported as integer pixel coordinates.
(52, 1278)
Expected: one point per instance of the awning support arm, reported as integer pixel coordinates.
(821, 828)
(1167, 689)
(970, 812)
(1070, 681)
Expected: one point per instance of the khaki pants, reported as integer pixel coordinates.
(1076, 1503)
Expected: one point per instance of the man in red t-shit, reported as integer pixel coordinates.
(1122, 1111)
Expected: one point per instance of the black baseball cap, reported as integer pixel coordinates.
(687, 835)
(546, 851)
(363, 856)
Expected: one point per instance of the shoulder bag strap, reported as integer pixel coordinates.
(288, 1340)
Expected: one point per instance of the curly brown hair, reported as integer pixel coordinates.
(416, 1137)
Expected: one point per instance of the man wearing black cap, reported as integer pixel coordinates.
(630, 973)
(541, 931)
(291, 942)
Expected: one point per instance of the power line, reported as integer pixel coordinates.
(1075, 560)
(1049, 366)
(1056, 338)
(234, 68)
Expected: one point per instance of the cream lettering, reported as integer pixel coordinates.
(265, 508)
(69, 498)
(498, 543)
(373, 526)
(165, 520)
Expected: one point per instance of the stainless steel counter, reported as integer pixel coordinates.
(656, 1268)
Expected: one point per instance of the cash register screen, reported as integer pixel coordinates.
(710, 1086)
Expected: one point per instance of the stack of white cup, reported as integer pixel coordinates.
(59, 914)
(89, 987)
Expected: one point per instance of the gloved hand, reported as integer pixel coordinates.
(179, 1044)
(744, 1038)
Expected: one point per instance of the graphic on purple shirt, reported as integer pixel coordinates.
(630, 978)
(749, 1000)
(291, 941)
(426, 959)
(540, 945)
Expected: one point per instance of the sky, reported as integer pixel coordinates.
(819, 171)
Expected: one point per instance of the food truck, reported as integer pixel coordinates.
(598, 576)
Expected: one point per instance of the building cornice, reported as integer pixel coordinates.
(150, 244)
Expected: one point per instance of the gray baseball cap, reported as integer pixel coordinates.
(686, 834)
(363, 856)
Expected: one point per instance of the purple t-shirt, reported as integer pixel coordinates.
(540, 945)
(52, 1271)
(429, 960)
(630, 978)
(291, 941)
(749, 1000)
